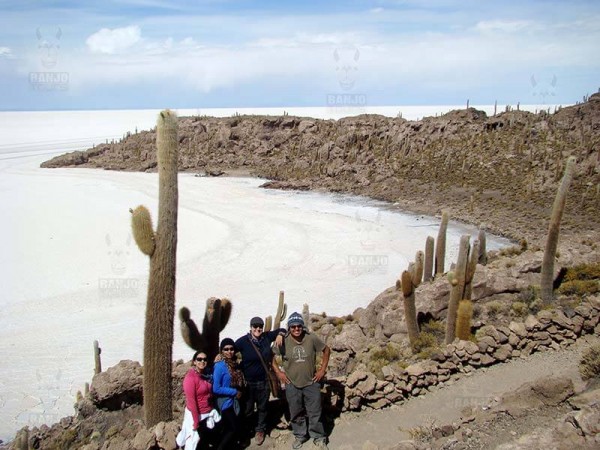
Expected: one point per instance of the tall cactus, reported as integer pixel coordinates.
(440, 249)
(279, 316)
(482, 247)
(410, 311)
(428, 268)
(457, 280)
(216, 317)
(470, 270)
(547, 278)
(417, 272)
(161, 247)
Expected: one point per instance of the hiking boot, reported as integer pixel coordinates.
(320, 443)
(298, 442)
(259, 437)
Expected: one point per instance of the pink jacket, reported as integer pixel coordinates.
(198, 395)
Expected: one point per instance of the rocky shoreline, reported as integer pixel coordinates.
(500, 172)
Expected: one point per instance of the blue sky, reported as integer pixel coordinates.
(218, 53)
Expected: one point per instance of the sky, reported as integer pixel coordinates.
(140, 54)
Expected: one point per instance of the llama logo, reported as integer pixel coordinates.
(371, 239)
(347, 102)
(48, 47)
(543, 89)
(346, 66)
(118, 254)
(118, 286)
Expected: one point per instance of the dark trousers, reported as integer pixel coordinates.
(231, 429)
(257, 393)
(305, 403)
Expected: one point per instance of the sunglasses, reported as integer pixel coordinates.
(227, 349)
(258, 326)
(295, 327)
(201, 359)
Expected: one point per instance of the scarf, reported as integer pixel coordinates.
(237, 378)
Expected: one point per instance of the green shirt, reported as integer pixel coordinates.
(300, 359)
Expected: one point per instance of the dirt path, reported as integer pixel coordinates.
(383, 429)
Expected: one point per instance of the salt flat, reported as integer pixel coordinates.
(71, 274)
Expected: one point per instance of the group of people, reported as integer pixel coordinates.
(220, 400)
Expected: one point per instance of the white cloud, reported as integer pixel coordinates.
(503, 26)
(110, 41)
(5, 52)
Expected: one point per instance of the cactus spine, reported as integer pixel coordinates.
(160, 306)
(463, 320)
(216, 317)
(547, 278)
(428, 268)
(410, 310)
(440, 249)
(458, 287)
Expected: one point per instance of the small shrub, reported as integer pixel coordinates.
(437, 328)
(494, 308)
(583, 272)
(382, 357)
(425, 345)
(589, 366)
(519, 309)
(529, 295)
(579, 287)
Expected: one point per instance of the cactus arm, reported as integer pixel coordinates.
(189, 331)
(141, 227)
(268, 324)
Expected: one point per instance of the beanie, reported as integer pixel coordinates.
(295, 319)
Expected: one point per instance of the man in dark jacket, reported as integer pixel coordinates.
(257, 383)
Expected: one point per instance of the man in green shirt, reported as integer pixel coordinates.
(303, 381)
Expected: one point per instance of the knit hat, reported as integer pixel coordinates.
(257, 321)
(295, 319)
(225, 342)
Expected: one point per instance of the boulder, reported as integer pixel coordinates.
(118, 385)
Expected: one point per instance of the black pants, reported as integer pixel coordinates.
(257, 393)
(231, 429)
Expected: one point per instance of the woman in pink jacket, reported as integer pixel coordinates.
(199, 412)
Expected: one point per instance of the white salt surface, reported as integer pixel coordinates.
(71, 274)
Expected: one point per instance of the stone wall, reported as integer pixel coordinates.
(547, 330)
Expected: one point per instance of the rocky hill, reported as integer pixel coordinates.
(501, 171)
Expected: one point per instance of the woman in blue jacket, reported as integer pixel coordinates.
(228, 383)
